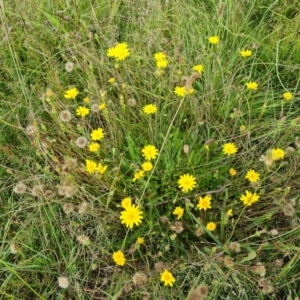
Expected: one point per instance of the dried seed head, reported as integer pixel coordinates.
(13, 248)
(186, 149)
(69, 66)
(228, 262)
(273, 232)
(260, 270)
(49, 194)
(139, 278)
(164, 219)
(83, 207)
(65, 116)
(159, 266)
(177, 227)
(83, 239)
(199, 231)
(95, 107)
(289, 150)
(67, 190)
(278, 263)
(131, 102)
(81, 142)
(63, 282)
(234, 246)
(36, 191)
(31, 130)
(68, 208)
(297, 141)
(288, 210)
(267, 289)
(20, 188)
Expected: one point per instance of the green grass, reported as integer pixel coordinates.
(39, 236)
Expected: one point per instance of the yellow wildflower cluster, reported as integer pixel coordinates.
(119, 52)
(161, 60)
(93, 167)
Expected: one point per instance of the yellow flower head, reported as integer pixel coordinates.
(229, 213)
(102, 106)
(198, 68)
(111, 80)
(119, 52)
(180, 91)
(287, 96)
(71, 93)
(149, 152)
(232, 171)
(167, 278)
(132, 215)
(214, 40)
(101, 169)
(178, 211)
(246, 53)
(277, 154)
(204, 203)
(97, 134)
(229, 148)
(211, 226)
(94, 147)
(161, 64)
(138, 175)
(86, 100)
(252, 176)
(91, 166)
(160, 56)
(187, 182)
(150, 109)
(252, 85)
(140, 240)
(126, 202)
(147, 166)
(119, 258)
(249, 198)
(82, 111)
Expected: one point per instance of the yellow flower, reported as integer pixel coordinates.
(111, 80)
(97, 134)
(179, 212)
(229, 148)
(252, 176)
(126, 202)
(252, 85)
(138, 175)
(132, 215)
(232, 171)
(180, 91)
(214, 40)
(198, 68)
(147, 166)
(101, 169)
(150, 109)
(167, 278)
(242, 128)
(229, 213)
(94, 147)
(249, 198)
(102, 106)
(204, 203)
(91, 166)
(187, 182)
(191, 91)
(277, 154)
(82, 111)
(71, 93)
(160, 56)
(211, 226)
(246, 53)
(206, 147)
(149, 152)
(140, 240)
(119, 52)
(287, 96)
(86, 100)
(161, 64)
(119, 258)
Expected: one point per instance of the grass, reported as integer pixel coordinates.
(57, 220)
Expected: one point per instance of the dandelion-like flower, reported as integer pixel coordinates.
(150, 109)
(91, 166)
(97, 134)
(140, 240)
(246, 53)
(149, 152)
(119, 258)
(204, 203)
(178, 211)
(287, 96)
(138, 175)
(180, 91)
(232, 172)
(252, 85)
(211, 226)
(111, 80)
(249, 198)
(94, 147)
(132, 215)
(147, 166)
(102, 106)
(101, 168)
(187, 182)
(86, 100)
(126, 202)
(119, 52)
(160, 56)
(214, 40)
(277, 154)
(82, 111)
(167, 278)
(229, 213)
(162, 64)
(71, 93)
(229, 148)
(198, 68)
(252, 176)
